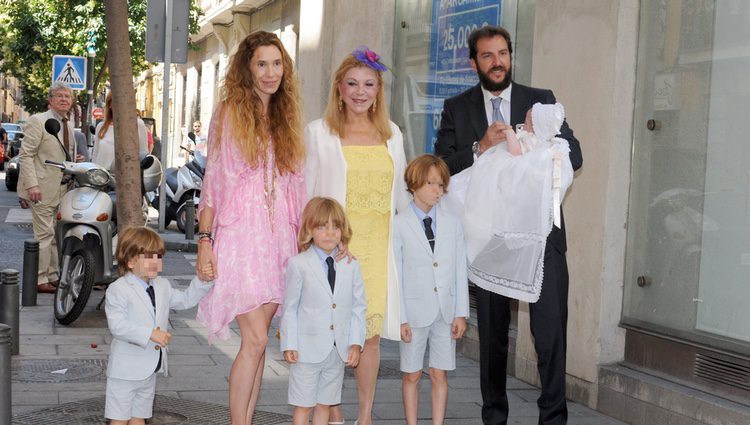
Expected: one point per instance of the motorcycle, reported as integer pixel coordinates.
(87, 230)
(182, 184)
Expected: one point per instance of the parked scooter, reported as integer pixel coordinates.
(87, 228)
(182, 184)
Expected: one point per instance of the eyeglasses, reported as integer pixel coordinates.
(62, 96)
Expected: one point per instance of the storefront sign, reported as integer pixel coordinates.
(450, 67)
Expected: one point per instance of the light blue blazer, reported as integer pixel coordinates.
(431, 283)
(131, 318)
(314, 318)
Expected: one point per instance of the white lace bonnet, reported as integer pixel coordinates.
(547, 120)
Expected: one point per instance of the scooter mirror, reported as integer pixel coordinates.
(191, 136)
(147, 162)
(52, 126)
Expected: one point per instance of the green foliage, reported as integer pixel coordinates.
(36, 30)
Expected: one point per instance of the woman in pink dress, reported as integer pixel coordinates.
(252, 200)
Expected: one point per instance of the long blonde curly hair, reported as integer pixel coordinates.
(245, 109)
(335, 118)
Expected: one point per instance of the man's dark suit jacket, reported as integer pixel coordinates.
(464, 121)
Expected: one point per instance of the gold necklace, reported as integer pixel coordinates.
(269, 193)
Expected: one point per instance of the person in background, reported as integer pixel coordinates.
(104, 142)
(200, 143)
(40, 186)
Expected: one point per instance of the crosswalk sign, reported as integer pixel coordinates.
(70, 70)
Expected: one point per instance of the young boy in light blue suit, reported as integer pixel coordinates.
(137, 307)
(431, 264)
(323, 324)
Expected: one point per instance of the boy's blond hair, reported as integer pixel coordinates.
(135, 241)
(317, 212)
(419, 168)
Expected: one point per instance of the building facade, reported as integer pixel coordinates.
(657, 218)
(10, 95)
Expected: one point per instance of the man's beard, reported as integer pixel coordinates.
(492, 86)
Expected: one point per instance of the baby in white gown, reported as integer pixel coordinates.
(509, 200)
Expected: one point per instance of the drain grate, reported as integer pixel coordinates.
(40, 370)
(25, 227)
(167, 411)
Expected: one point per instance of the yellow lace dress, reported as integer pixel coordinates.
(369, 181)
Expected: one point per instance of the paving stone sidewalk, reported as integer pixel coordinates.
(196, 390)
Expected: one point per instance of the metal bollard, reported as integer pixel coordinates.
(30, 272)
(5, 392)
(9, 304)
(189, 219)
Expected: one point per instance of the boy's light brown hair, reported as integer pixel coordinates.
(317, 212)
(135, 241)
(419, 168)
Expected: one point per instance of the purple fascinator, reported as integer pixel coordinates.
(369, 58)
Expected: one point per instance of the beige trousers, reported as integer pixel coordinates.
(43, 220)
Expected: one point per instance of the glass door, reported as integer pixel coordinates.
(687, 269)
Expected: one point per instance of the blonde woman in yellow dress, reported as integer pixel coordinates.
(356, 156)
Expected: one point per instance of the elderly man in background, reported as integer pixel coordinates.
(40, 186)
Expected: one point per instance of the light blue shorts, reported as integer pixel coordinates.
(317, 383)
(130, 399)
(442, 347)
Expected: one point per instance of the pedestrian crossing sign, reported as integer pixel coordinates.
(70, 70)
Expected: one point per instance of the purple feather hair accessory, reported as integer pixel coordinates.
(369, 58)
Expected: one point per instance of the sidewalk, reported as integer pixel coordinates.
(197, 390)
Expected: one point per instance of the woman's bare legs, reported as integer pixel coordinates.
(268, 310)
(247, 370)
(367, 377)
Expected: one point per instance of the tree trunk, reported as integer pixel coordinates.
(127, 163)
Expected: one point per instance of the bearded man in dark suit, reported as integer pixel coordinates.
(471, 123)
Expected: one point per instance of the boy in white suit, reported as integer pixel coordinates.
(137, 307)
(323, 324)
(431, 264)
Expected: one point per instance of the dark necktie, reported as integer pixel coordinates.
(66, 136)
(497, 112)
(152, 295)
(428, 232)
(150, 291)
(331, 273)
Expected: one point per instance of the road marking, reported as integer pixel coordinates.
(18, 215)
(192, 258)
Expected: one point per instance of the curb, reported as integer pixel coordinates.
(186, 246)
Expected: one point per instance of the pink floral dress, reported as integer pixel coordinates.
(257, 214)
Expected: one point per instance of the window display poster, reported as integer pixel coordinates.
(450, 71)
